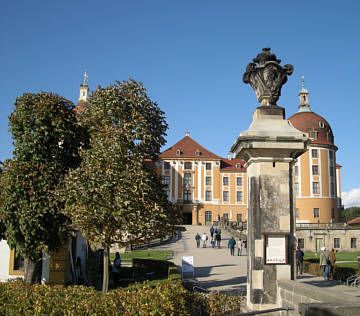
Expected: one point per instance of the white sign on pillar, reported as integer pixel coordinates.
(187, 265)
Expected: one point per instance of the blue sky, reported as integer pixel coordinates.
(191, 56)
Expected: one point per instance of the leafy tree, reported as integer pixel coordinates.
(2, 230)
(115, 197)
(46, 139)
(351, 213)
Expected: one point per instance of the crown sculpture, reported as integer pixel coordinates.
(267, 77)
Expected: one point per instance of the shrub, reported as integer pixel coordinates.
(224, 304)
(311, 266)
(165, 298)
(173, 273)
(341, 273)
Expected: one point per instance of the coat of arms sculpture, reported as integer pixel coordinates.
(267, 77)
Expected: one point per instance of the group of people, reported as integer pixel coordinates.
(215, 235)
(326, 261)
(215, 241)
(240, 245)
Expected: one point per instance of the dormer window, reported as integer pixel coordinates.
(197, 153)
(178, 152)
(322, 124)
(313, 134)
(330, 137)
(238, 165)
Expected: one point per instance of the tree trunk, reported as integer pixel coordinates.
(32, 271)
(105, 286)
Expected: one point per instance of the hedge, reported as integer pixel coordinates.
(311, 266)
(168, 298)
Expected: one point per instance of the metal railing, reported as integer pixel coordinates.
(273, 310)
(321, 225)
(353, 280)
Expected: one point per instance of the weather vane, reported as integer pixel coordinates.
(85, 78)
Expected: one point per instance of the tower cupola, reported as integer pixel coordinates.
(84, 89)
(304, 105)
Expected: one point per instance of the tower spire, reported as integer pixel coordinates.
(85, 78)
(84, 89)
(302, 82)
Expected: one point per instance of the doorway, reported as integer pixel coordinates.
(319, 243)
(208, 218)
(187, 218)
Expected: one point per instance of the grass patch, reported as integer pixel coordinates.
(144, 254)
(347, 256)
(353, 265)
(340, 256)
(311, 255)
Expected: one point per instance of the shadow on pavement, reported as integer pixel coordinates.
(232, 286)
(206, 271)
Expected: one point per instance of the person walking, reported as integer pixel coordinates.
(204, 239)
(218, 239)
(324, 262)
(332, 262)
(231, 245)
(239, 246)
(197, 238)
(212, 231)
(116, 268)
(299, 260)
(244, 247)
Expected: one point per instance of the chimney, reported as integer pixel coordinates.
(187, 133)
(229, 156)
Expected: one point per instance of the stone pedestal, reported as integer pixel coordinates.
(270, 147)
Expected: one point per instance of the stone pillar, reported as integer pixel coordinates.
(195, 215)
(270, 146)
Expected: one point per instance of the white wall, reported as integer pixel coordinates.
(5, 262)
(45, 268)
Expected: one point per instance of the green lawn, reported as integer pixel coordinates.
(340, 256)
(147, 254)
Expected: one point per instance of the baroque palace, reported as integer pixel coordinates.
(209, 188)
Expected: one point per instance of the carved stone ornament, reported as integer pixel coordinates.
(267, 77)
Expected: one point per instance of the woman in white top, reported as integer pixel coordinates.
(204, 239)
(239, 246)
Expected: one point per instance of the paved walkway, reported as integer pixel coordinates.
(332, 286)
(215, 269)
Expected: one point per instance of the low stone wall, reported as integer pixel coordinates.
(329, 309)
(310, 300)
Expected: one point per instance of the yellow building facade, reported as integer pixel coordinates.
(208, 187)
(317, 183)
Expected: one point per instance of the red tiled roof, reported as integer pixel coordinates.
(309, 121)
(80, 106)
(188, 147)
(354, 221)
(338, 166)
(230, 165)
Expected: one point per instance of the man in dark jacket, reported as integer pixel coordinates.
(197, 238)
(212, 230)
(299, 260)
(231, 245)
